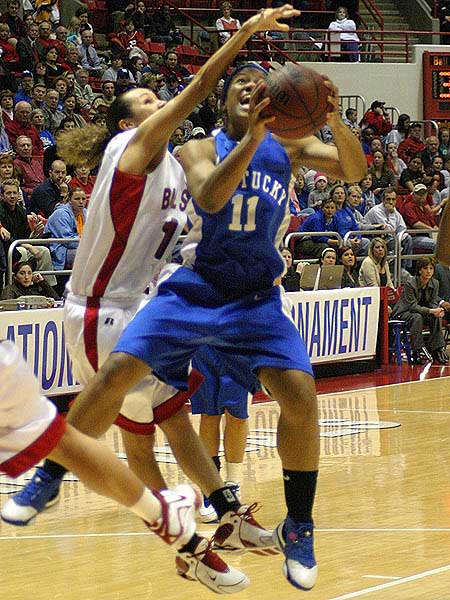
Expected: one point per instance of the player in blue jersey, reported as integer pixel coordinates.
(220, 396)
(225, 295)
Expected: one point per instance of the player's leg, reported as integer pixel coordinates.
(141, 459)
(235, 442)
(298, 447)
(209, 432)
(170, 513)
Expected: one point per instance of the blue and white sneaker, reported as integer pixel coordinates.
(207, 512)
(296, 541)
(40, 493)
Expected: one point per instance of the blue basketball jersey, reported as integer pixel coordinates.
(236, 249)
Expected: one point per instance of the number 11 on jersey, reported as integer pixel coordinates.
(238, 208)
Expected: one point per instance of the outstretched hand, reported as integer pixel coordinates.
(267, 19)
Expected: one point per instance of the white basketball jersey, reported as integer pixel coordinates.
(132, 224)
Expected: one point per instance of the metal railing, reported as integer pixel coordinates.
(37, 242)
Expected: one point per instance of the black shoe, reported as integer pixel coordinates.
(441, 357)
(416, 357)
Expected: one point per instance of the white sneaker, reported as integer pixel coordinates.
(239, 530)
(176, 526)
(210, 570)
(207, 513)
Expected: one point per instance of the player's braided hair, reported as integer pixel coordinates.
(85, 145)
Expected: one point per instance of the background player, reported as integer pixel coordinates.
(219, 395)
(225, 296)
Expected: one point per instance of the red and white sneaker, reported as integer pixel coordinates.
(239, 530)
(176, 526)
(206, 567)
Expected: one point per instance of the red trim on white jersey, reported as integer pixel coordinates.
(90, 331)
(43, 445)
(124, 200)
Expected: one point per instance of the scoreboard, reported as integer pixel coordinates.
(436, 86)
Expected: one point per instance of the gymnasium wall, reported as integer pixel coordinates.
(398, 84)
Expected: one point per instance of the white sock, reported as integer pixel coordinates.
(234, 471)
(148, 507)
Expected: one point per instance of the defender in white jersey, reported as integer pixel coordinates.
(139, 170)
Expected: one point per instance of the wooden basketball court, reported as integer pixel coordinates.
(382, 514)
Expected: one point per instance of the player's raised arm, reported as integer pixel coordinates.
(154, 133)
(344, 161)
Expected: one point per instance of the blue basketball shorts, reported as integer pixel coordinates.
(187, 312)
(218, 390)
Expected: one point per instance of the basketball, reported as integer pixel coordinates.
(298, 100)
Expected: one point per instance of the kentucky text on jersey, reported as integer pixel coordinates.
(265, 182)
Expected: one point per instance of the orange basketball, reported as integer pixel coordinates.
(298, 100)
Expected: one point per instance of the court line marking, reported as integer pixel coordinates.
(400, 581)
(380, 577)
(56, 536)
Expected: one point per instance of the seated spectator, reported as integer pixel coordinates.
(21, 126)
(420, 305)
(165, 30)
(53, 68)
(37, 118)
(14, 219)
(39, 93)
(368, 199)
(71, 110)
(124, 82)
(7, 49)
(343, 30)
(298, 196)
(129, 38)
(291, 278)
(73, 31)
(328, 257)
(28, 283)
(67, 221)
(377, 118)
(354, 199)
(209, 112)
(170, 89)
(382, 176)
(442, 276)
(46, 10)
(44, 40)
(142, 20)
(13, 20)
(33, 175)
(83, 180)
(172, 68)
(226, 25)
(399, 133)
(89, 58)
(412, 144)
(413, 174)
(418, 217)
(60, 85)
(367, 135)
(387, 215)
(347, 258)
(322, 220)
(351, 118)
(25, 92)
(375, 146)
(40, 73)
(7, 106)
(396, 164)
(83, 91)
(72, 60)
(320, 191)
(106, 98)
(111, 72)
(52, 116)
(345, 221)
(444, 142)
(46, 196)
(339, 194)
(374, 270)
(431, 151)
